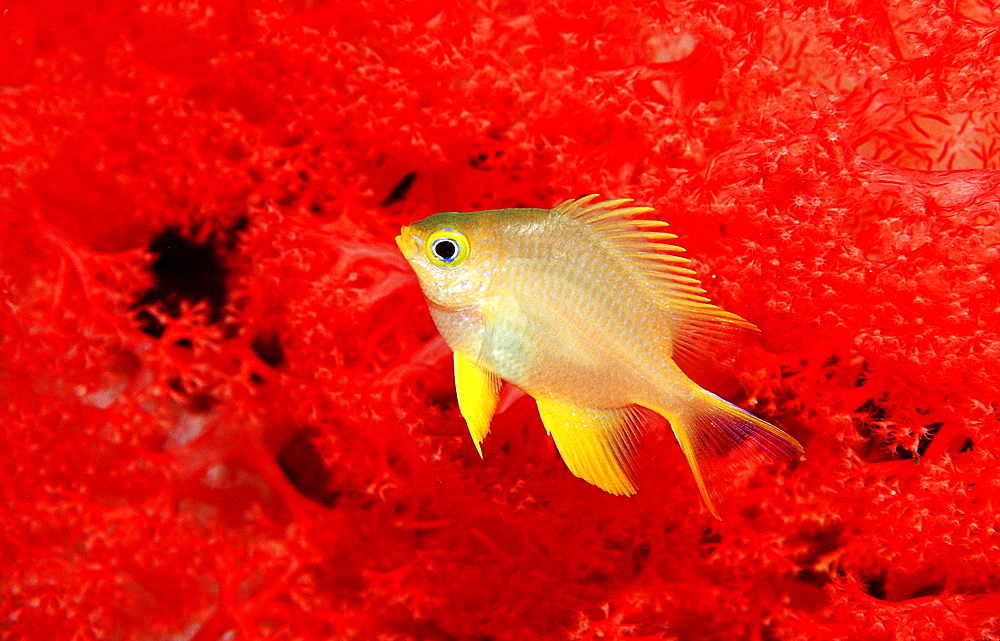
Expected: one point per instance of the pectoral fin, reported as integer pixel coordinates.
(597, 446)
(478, 391)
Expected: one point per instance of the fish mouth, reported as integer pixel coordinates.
(406, 242)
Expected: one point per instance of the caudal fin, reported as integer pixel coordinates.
(722, 442)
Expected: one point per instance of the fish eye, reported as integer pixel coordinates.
(447, 247)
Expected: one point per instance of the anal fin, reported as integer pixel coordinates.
(478, 392)
(597, 446)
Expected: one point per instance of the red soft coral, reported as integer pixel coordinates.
(226, 411)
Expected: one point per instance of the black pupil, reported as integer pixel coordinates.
(446, 249)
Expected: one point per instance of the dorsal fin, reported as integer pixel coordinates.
(703, 333)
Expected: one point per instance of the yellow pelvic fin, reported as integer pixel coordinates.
(597, 446)
(478, 391)
(723, 443)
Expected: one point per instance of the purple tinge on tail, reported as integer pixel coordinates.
(725, 445)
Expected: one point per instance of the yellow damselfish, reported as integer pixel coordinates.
(587, 309)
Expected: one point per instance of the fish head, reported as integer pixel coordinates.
(453, 256)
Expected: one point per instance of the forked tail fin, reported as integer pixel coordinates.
(722, 442)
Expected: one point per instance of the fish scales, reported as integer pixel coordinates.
(573, 307)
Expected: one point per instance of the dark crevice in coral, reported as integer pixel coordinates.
(239, 225)
(786, 372)
(305, 469)
(819, 579)
(267, 346)
(925, 440)
(821, 542)
(862, 377)
(184, 270)
(708, 542)
(484, 160)
(933, 589)
(927, 437)
(873, 448)
(400, 190)
(875, 587)
(874, 412)
(896, 588)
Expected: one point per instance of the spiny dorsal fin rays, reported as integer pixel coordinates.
(564, 206)
(664, 260)
(648, 235)
(596, 214)
(581, 208)
(597, 210)
(702, 332)
(681, 278)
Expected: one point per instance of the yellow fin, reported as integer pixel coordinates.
(723, 442)
(597, 446)
(478, 391)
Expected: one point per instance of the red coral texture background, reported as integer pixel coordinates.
(226, 414)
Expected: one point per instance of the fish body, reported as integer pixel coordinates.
(587, 309)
